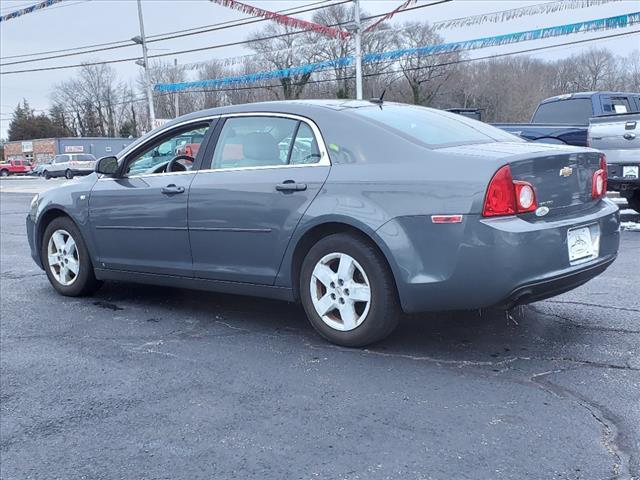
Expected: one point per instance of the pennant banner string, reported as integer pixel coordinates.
(619, 21)
(29, 9)
(389, 15)
(515, 13)
(283, 19)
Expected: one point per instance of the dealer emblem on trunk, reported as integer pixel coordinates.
(566, 171)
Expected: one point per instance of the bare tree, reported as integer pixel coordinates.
(425, 74)
(283, 52)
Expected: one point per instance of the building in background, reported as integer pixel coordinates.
(43, 150)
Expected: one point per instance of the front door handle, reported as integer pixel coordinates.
(172, 189)
(291, 186)
(629, 136)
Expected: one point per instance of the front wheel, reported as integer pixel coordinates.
(68, 174)
(66, 259)
(348, 291)
(46, 174)
(634, 200)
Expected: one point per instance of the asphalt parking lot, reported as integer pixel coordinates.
(156, 383)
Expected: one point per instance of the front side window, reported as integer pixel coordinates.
(176, 152)
(59, 159)
(254, 142)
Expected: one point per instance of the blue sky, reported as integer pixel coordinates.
(80, 22)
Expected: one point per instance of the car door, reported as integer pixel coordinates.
(139, 217)
(263, 174)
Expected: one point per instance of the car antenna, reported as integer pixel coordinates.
(379, 101)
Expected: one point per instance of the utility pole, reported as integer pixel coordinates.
(145, 64)
(176, 96)
(358, 35)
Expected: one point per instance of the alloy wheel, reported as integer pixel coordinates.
(63, 258)
(340, 291)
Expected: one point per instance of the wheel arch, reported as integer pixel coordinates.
(318, 231)
(46, 218)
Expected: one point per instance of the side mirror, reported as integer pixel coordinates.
(107, 166)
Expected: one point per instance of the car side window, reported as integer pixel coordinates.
(616, 105)
(305, 147)
(157, 156)
(260, 141)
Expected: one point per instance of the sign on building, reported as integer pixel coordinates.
(27, 147)
(73, 149)
(158, 122)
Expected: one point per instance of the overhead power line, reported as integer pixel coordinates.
(182, 52)
(375, 74)
(101, 47)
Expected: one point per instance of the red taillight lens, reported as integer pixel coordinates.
(501, 198)
(508, 197)
(599, 181)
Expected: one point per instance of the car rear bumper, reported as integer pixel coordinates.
(483, 263)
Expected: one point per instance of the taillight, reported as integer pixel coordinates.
(508, 197)
(599, 181)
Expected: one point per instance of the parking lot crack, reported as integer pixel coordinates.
(570, 323)
(610, 425)
(587, 304)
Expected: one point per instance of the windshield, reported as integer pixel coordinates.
(434, 128)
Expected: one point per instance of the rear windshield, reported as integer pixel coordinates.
(572, 112)
(434, 128)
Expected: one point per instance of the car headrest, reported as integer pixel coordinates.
(260, 146)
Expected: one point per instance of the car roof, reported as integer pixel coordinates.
(294, 107)
(567, 96)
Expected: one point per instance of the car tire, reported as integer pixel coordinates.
(59, 269)
(634, 201)
(68, 174)
(4, 173)
(325, 286)
(46, 174)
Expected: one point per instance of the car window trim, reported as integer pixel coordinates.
(324, 153)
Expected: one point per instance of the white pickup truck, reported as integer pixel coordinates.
(618, 137)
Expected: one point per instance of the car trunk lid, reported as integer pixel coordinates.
(561, 176)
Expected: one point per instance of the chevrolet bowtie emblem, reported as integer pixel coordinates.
(566, 171)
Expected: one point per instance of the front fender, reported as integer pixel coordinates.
(70, 199)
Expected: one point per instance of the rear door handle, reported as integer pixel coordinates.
(629, 136)
(291, 186)
(172, 189)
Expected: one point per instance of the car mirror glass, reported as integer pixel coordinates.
(107, 166)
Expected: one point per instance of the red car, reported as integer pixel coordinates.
(14, 167)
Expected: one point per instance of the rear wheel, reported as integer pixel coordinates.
(634, 200)
(68, 174)
(348, 292)
(66, 259)
(4, 173)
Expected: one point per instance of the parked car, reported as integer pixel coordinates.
(69, 165)
(15, 167)
(564, 119)
(39, 169)
(372, 209)
(617, 137)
